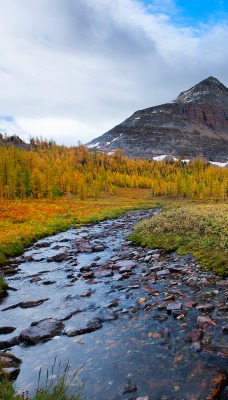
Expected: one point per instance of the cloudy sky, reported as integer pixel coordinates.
(72, 69)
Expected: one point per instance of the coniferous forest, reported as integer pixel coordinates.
(48, 171)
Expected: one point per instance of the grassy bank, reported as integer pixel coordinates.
(199, 229)
(56, 386)
(24, 221)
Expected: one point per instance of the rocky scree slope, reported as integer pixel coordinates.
(195, 124)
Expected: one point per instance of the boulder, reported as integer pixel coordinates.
(42, 331)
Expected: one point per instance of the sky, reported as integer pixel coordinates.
(70, 70)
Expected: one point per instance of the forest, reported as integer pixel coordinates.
(48, 170)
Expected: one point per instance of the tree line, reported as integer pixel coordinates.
(50, 170)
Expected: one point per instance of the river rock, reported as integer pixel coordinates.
(98, 248)
(193, 336)
(225, 328)
(42, 330)
(4, 330)
(43, 244)
(173, 306)
(192, 281)
(128, 264)
(129, 388)
(203, 322)
(35, 303)
(197, 346)
(205, 307)
(107, 316)
(163, 273)
(88, 327)
(35, 279)
(10, 365)
(222, 284)
(58, 257)
(6, 344)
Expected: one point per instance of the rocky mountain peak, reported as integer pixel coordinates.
(209, 90)
(195, 124)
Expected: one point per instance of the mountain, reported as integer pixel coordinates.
(195, 124)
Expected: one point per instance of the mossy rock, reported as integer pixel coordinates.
(3, 288)
(9, 366)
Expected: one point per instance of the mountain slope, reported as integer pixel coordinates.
(194, 124)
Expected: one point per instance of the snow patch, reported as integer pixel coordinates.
(113, 140)
(219, 164)
(138, 118)
(90, 146)
(160, 158)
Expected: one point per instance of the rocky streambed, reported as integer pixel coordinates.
(143, 324)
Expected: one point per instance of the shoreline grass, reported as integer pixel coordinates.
(56, 383)
(192, 228)
(22, 222)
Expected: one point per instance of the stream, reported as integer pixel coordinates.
(141, 323)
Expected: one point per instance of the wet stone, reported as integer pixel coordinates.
(193, 336)
(163, 273)
(129, 388)
(175, 267)
(205, 307)
(6, 344)
(27, 258)
(222, 284)
(58, 257)
(225, 328)
(43, 244)
(125, 264)
(197, 346)
(88, 327)
(192, 281)
(204, 322)
(88, 275)
(113, 303)
(98, 248)
(105, 316)
(10, 365)
(42, 331)
(35, 303)
(35, 279)
(26, 304)
(4, 330)
(173, 306)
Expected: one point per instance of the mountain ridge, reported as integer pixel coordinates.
(195, 124)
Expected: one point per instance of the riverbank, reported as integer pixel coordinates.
(190, 228)
(24, 221)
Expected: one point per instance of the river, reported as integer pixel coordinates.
(142, 324)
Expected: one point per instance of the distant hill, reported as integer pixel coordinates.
(195, 124)
(14, 141)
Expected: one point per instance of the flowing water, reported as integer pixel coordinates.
(140, 314)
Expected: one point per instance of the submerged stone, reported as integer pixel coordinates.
(88, 327)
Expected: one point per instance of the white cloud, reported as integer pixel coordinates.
(72, 69)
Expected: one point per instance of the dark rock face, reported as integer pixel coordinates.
(195, 124)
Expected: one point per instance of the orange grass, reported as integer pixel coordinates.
(24, 221)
